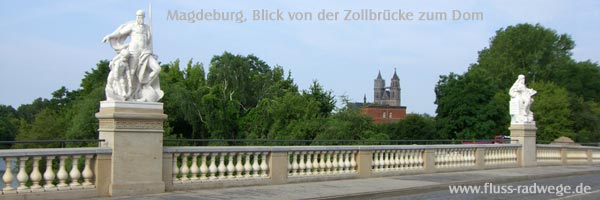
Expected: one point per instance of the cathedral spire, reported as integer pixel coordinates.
(379, 75)
(395, 77)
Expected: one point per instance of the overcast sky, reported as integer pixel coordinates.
(48, 44)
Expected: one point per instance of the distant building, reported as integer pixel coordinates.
(386, 107)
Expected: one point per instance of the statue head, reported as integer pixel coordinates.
(139, 17)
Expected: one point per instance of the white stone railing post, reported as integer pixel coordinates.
(525, 134)
(134, 131)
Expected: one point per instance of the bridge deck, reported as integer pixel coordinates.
(376, 187)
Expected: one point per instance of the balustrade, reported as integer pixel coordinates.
(397, 160)
(210, 166)
(501, 156)
(321, 163)
(70, 169)
(454, 157)
(547, 156)
(576, 155)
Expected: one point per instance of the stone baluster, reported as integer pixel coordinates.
(395, 160)
(442, 156)
(462, 157)
(264, 167)
(222, 169)
(185, 170)
(471, 157)
(290, 163)
(401, 159)
(410, 159)
(328, 163)
(175, 168)
(389, 156)
(203, 167)
(212, 168)
(8, 176)
(22, 176)
(49, 175)
(414, 159)
(194, 168)
(513, 156)
(418, 158)
(62, 174)
(309, 164)
(347, 161)
(386, 160)
(322, 163)
(247, 166)
(374, 161)
(239, 167)
(255, 166)
(35, 175)
(75, 174)
(334, 163)
(230, 166)
(421, 160)
(454, 158)
(342, 162)
(301, 164)
(379, 161)
(294, 164)
(87, 172)
(315, 163)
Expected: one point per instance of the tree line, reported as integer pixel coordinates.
(242, 97)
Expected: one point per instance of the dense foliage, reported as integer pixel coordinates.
(475, 104)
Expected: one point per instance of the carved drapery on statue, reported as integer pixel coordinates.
(520, 102)
(134, 70)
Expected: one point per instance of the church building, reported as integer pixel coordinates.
(386, 106)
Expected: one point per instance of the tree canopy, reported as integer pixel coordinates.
(475, 103)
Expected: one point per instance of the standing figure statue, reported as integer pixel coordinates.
(135, 62)
(520, 102)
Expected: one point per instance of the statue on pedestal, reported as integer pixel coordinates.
(520, 102)
(134, 70)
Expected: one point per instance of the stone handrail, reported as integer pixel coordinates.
(207, 167)
(565, 154)
(43, 163)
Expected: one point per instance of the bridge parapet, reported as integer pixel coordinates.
(54, 173)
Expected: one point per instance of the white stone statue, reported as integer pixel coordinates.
(134, 70)
(520, 102)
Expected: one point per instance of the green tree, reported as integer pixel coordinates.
(8, 124)
(477, 106)
(325, 99)
(551, 111)
(415, 127)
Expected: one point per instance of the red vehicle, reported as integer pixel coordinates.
(498, 139)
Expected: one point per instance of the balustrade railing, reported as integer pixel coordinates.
(454, 157)
(576, 155)
(562, 154)
(322, 161)
(548, 155)
(215, 164)
(501, 156)
(397, 160)
(46, 170)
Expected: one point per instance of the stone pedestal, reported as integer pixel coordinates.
(134, 131)
(525, 134)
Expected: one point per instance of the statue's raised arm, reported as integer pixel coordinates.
(520, 102)
(134, 61)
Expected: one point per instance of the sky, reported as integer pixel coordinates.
(48, 44)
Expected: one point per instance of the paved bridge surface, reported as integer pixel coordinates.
(387, 187)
